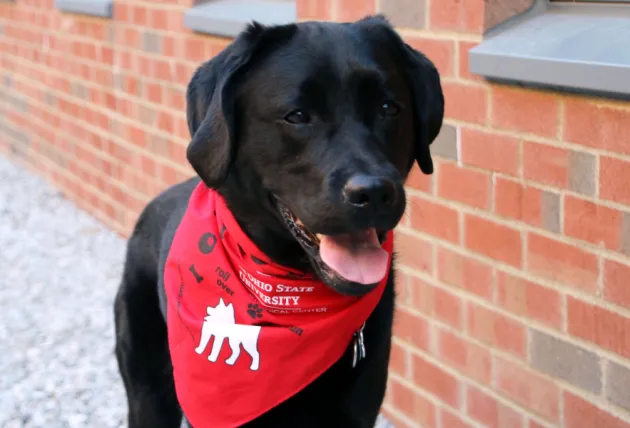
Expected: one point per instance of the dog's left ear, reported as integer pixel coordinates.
(212, 105)
(424, 81)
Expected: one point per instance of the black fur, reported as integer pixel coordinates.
(242, 146)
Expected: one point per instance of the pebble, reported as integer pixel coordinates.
(59, 272)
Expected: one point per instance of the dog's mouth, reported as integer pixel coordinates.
(353, 263)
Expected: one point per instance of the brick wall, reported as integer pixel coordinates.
(514, 289)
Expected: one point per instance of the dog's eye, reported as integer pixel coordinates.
(389, 108)
(297, 117)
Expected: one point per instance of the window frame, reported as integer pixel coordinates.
(99, 8)
(228, 18)
(541, 48)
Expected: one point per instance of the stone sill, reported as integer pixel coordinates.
(229, 17)
(574, 47)
(100, 8)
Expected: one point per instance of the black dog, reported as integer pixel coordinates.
(307, 131)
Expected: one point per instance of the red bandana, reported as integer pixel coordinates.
(220, 286)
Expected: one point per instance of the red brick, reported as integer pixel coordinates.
(546, 164)
(464, 66)
(184, 73)
(414, 252)
(314, 9)
(177, 153)
(457, 15)
(467, 357)
(451, 420)
(508, 198)
(436, 381)
(490, 412)
(436, 303)
(182, 129)
(579, 413)
(533, 424)
(403, 289)
(604, 128)
(617, 283)
(412, 405)
(170, 175)
(614, 176)
(153, 92)
(176, 99)
(419, 181)
(165, 122)
(526, 387)
(137, 136)
(139, 15)
(400, 360)
(465, 272)
(490, 151)
(162, 70)
(525, 111)
(122, 12)
(561, 262)
(147, 165)
(440, 52)
(351, 10)
(171, 45)
(411, 329)
(521, 202)
(590, 222)
(434, 219)
(493, 240)
(598, 325)
(463, 185)
(465, 102)
(160, 19)
(529, 299)
(106, 55)
(496, 330)
(195, 50)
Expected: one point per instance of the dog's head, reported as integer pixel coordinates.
(316, 126)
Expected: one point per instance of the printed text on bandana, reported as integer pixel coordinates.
(266, 293)
(261, 289)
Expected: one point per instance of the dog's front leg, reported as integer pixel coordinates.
(365, 393)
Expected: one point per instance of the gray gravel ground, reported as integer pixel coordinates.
(59, 269)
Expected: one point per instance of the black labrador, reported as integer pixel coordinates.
(326, 117)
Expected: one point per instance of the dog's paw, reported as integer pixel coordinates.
(254, 310)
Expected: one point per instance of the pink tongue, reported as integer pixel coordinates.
(358, 257)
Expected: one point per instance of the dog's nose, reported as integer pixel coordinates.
(367, 191)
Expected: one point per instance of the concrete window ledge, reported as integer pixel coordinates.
(229, 17)
(576, 47)
(101, 8)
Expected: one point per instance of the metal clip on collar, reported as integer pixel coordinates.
(359, 346)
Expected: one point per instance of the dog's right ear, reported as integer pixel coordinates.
(211, 101)
(425, 85)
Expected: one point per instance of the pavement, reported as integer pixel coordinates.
(59, 270)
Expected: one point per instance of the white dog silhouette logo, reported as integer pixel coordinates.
(220, 323)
